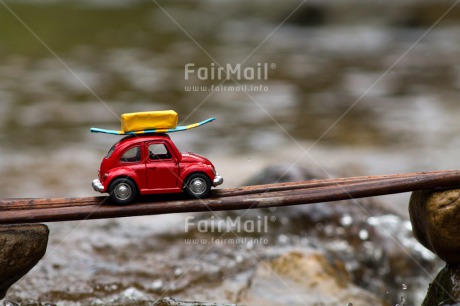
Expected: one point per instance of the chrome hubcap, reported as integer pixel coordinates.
(198, 186)
(122, 191)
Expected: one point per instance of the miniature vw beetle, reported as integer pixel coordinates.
(148, 162)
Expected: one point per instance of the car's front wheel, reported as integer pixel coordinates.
(197, 186)
(122, 191)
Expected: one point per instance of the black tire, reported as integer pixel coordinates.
(122, 191)
(197, 186)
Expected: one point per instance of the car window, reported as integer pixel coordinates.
(132, 155)
(158, 151)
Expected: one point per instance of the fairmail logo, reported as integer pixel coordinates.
(229, 224)
(228, 72)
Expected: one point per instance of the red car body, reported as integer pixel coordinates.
(152, 164)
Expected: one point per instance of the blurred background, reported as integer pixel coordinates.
(376, 92)
(365, 87)
(355, 88)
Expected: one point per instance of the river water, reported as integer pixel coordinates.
(342, 90)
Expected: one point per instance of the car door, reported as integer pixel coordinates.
(132, 158)
(162, 166)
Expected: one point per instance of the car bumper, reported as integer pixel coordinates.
(97, 185)
(218, 180)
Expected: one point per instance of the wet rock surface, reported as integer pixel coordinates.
(22, 246)
(311, 276)
(168, 301)
(434, 215)
(444, 290)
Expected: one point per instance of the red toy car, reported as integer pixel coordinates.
(151, 164)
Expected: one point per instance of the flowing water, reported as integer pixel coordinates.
(340, 89)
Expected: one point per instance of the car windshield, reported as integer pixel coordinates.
(115, 146)
(111, 150)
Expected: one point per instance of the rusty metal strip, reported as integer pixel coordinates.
(249, 197)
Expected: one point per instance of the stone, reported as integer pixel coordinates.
(22, 246)
(168, 301)
(310, 277)
(445, 289)
(283, 172)
(435, 222)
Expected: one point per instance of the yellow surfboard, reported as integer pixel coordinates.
(154, 122)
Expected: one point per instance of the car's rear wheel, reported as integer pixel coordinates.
(197, 186)
(122, 191)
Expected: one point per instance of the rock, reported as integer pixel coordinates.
(310, 15)
(435, 222)
(22, 246)
(168, 301)
(28, 303)
(424, 14)
(283, 172)
(311, 279)
(445, 289)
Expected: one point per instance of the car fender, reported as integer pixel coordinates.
(205, 169)
(121, 172)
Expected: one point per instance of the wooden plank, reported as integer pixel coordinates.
(249, 197)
